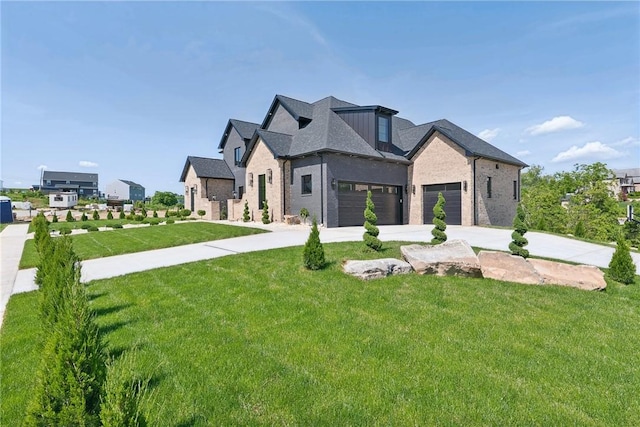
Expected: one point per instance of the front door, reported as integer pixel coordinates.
(193, 199)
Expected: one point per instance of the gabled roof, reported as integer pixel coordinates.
(70, 176)
(298, 109)
(130, 183)
(278, 143)
(207, 168)
(244, 129)
(472, 145)
(627, 173)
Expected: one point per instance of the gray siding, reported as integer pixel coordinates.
(313, 202)
(283, 122)
(363, 122)
(233, 141)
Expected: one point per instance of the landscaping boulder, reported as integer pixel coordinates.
(508, 268)
(452, 258)
(586, 277)
(376, 268)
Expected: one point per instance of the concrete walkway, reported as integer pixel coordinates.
(12, 241)
(540, 244)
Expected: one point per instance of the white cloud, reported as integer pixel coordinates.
(87, 164)
(489, 134)
(627, 142)
(523, 153)
(596, 150)
(555, 125)
(42, 167)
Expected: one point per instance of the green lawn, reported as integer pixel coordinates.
(123, 241)
(254, 339)
(77, 225)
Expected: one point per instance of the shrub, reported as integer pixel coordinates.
(153, 221)
(265, 213)
(122, 215)
(439, 223)
(123, 391)
(155, 213)
(172, 213)
(84, 217)
(109, 215)
(65, 230)
(139, 217)
(370, 220)
(304, 214)
(85, 226)
(520, 228)
(143, 212)
(170, 221)
(185, 212)
(96, 215)
(55, 218)
(201, 213)
(70, 217)
(223, 212)
(93, 228)
(313, 253)
(114, 225)
(245, 212)
(166, 213)
(621, 267)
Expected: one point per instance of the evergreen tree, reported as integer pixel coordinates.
(123, 391)
(245, 213)
(69, 217)
(439, 223)
(84, 217)
(370, 235)
(143, 212)
(155, 213)
(520, 228)
(621, 267)
(96, 215)
(313, 254)
(109, 215)
(122, 215)
(265, 213)
(55, 218)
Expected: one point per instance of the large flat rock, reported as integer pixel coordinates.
(508, 268)
(587, 277)
(452, 258)
(376, 268)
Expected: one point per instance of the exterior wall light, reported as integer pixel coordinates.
(250, 179)
(269, 176)
(333, 183)
(413, 189)
(464, 186)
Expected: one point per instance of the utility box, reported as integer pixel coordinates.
(6, 214)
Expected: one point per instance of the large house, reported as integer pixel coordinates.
(122, 189)
(85, 184)
(626, 181)
(324, 156)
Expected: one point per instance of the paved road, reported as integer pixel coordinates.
(540, 244)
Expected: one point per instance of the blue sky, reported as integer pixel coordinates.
(130, 89)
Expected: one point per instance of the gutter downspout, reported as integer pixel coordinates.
(322, 203)
(475, 203)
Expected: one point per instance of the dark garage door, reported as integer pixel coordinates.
(453, 202)
(352, 199)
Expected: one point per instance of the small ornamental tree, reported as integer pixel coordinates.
(96, 215)
(143, 212)
(370, 236)
(439, 223)
(621, 267)
(109, 215)
(55, 218)
(265, 213)
(69, 217)
(201, 213)
(245, 212)
(313, 254)
(122, 215)
(520, 228)
(84, 217)
(304, 214)
(155, 213)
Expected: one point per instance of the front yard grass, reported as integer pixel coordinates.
(123, 241)
(254, 339)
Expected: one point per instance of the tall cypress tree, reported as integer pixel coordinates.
(439, 223)
(313, 254)
(370, 220)
(520, 228)
(265, 213)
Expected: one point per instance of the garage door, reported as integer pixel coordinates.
(453, 202)
(352, 199)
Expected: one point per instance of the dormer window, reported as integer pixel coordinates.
(383, 129)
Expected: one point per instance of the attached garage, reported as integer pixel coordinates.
(352, 199)
(452, 194)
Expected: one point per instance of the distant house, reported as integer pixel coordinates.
(85, 184)
(122, 189)
(627, 181)
(326, 155)
(63, 199)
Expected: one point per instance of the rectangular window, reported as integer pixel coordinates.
(515, 190)
(262, 190)
(383, 129)
(240, 192)
(236, 156)
(489, 187)
(307, 188)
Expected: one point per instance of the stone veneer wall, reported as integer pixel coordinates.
(260, 160)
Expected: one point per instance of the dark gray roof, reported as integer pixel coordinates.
(207, 168)
(278, 143)
(298, 109)
(131, 183)
(244, 129)
(472, 145)
(624, 173)
(70, 176)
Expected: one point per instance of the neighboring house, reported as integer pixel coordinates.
(63, 200)
(326, 155)
(626, 181)
(121, 189)
(206, 180)
(85, 184)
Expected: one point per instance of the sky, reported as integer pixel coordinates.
(128, 90)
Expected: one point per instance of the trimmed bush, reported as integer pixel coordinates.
(166, 213)
(170, 221)
(439, 217)
(143, 212)
(84, 217)
(122, 215)
(93, 228)
(96, 215)
(245, 212)
(621, 267)
(139, 217)
(304, 214)
(55, 218)
(265, 213)
(313, 253)
(109, 215)
(86, 226)
(114, 225)
(172, 213)
(201, 213)
(520, 228)
(370, 236)
(184, 212)
(70, 217)
(64, 230)
(155, 213)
